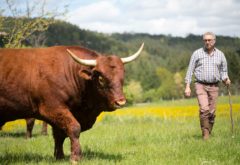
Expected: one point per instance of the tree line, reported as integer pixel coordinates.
(159, 72)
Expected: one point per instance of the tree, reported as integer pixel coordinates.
(1, 20)
(35, 18)
(134, 92)
(179, 84)
(172, 84)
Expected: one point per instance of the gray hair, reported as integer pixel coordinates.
(209, 33)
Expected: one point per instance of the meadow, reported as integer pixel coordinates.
(166, 132)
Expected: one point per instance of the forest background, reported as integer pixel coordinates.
(159, 72)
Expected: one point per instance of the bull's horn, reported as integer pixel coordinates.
(132, 57)
(82, 61)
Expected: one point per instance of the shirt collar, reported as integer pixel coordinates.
(205, 50)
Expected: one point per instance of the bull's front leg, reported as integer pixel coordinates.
(59, 137)
(62, 119)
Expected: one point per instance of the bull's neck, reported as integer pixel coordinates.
(77, 82)
(86, 91)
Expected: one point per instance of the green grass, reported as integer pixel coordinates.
(132, 140)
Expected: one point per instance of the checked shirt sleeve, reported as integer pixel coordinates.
(223, 68)
(191, 68)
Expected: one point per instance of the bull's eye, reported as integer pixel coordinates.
(101, 81)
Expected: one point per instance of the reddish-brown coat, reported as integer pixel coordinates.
(47, 84)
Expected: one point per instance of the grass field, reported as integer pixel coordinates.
(159, 133)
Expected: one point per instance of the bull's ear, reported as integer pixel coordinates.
(86, 74)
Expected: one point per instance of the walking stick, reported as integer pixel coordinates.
(230, 105)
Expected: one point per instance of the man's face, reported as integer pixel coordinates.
(209, 42)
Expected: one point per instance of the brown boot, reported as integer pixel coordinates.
(210, 128)
(211, 122)
(205, 126)
(205, 134)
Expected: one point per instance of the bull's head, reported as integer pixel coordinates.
(108, 76)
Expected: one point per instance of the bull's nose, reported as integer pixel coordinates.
(120, 102)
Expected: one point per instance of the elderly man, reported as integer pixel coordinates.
(209, 66)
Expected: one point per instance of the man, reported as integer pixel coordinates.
(209, 66)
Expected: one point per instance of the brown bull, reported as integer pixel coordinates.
(68, 92)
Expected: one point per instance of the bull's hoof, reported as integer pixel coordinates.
(73, 162)
(59, 156)
(28, 135)
(44, 133)
(74, 159)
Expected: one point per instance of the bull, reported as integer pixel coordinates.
(65, 86)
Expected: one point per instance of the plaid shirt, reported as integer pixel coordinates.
(207, 68)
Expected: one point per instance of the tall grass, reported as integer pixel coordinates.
(150, 134)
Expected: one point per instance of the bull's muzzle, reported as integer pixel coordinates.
(120, 102)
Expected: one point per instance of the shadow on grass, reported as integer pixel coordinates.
(28, 158)
(12, 134)
(197, 136)
(17, 134)
(89, 155)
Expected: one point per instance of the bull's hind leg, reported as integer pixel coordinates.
(30, 123)
(44, 128)
(1, 124)
(63, 119)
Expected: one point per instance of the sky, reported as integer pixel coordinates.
(169, 17)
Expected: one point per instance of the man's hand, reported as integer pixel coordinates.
(227, 81)
(187, 90)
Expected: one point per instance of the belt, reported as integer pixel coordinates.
(207, 83)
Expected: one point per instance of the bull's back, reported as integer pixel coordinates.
(30, 75)
(19, 74)
(18, 67)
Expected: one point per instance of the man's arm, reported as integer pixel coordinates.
(187, 90)
(189, 74)
(224, 72)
